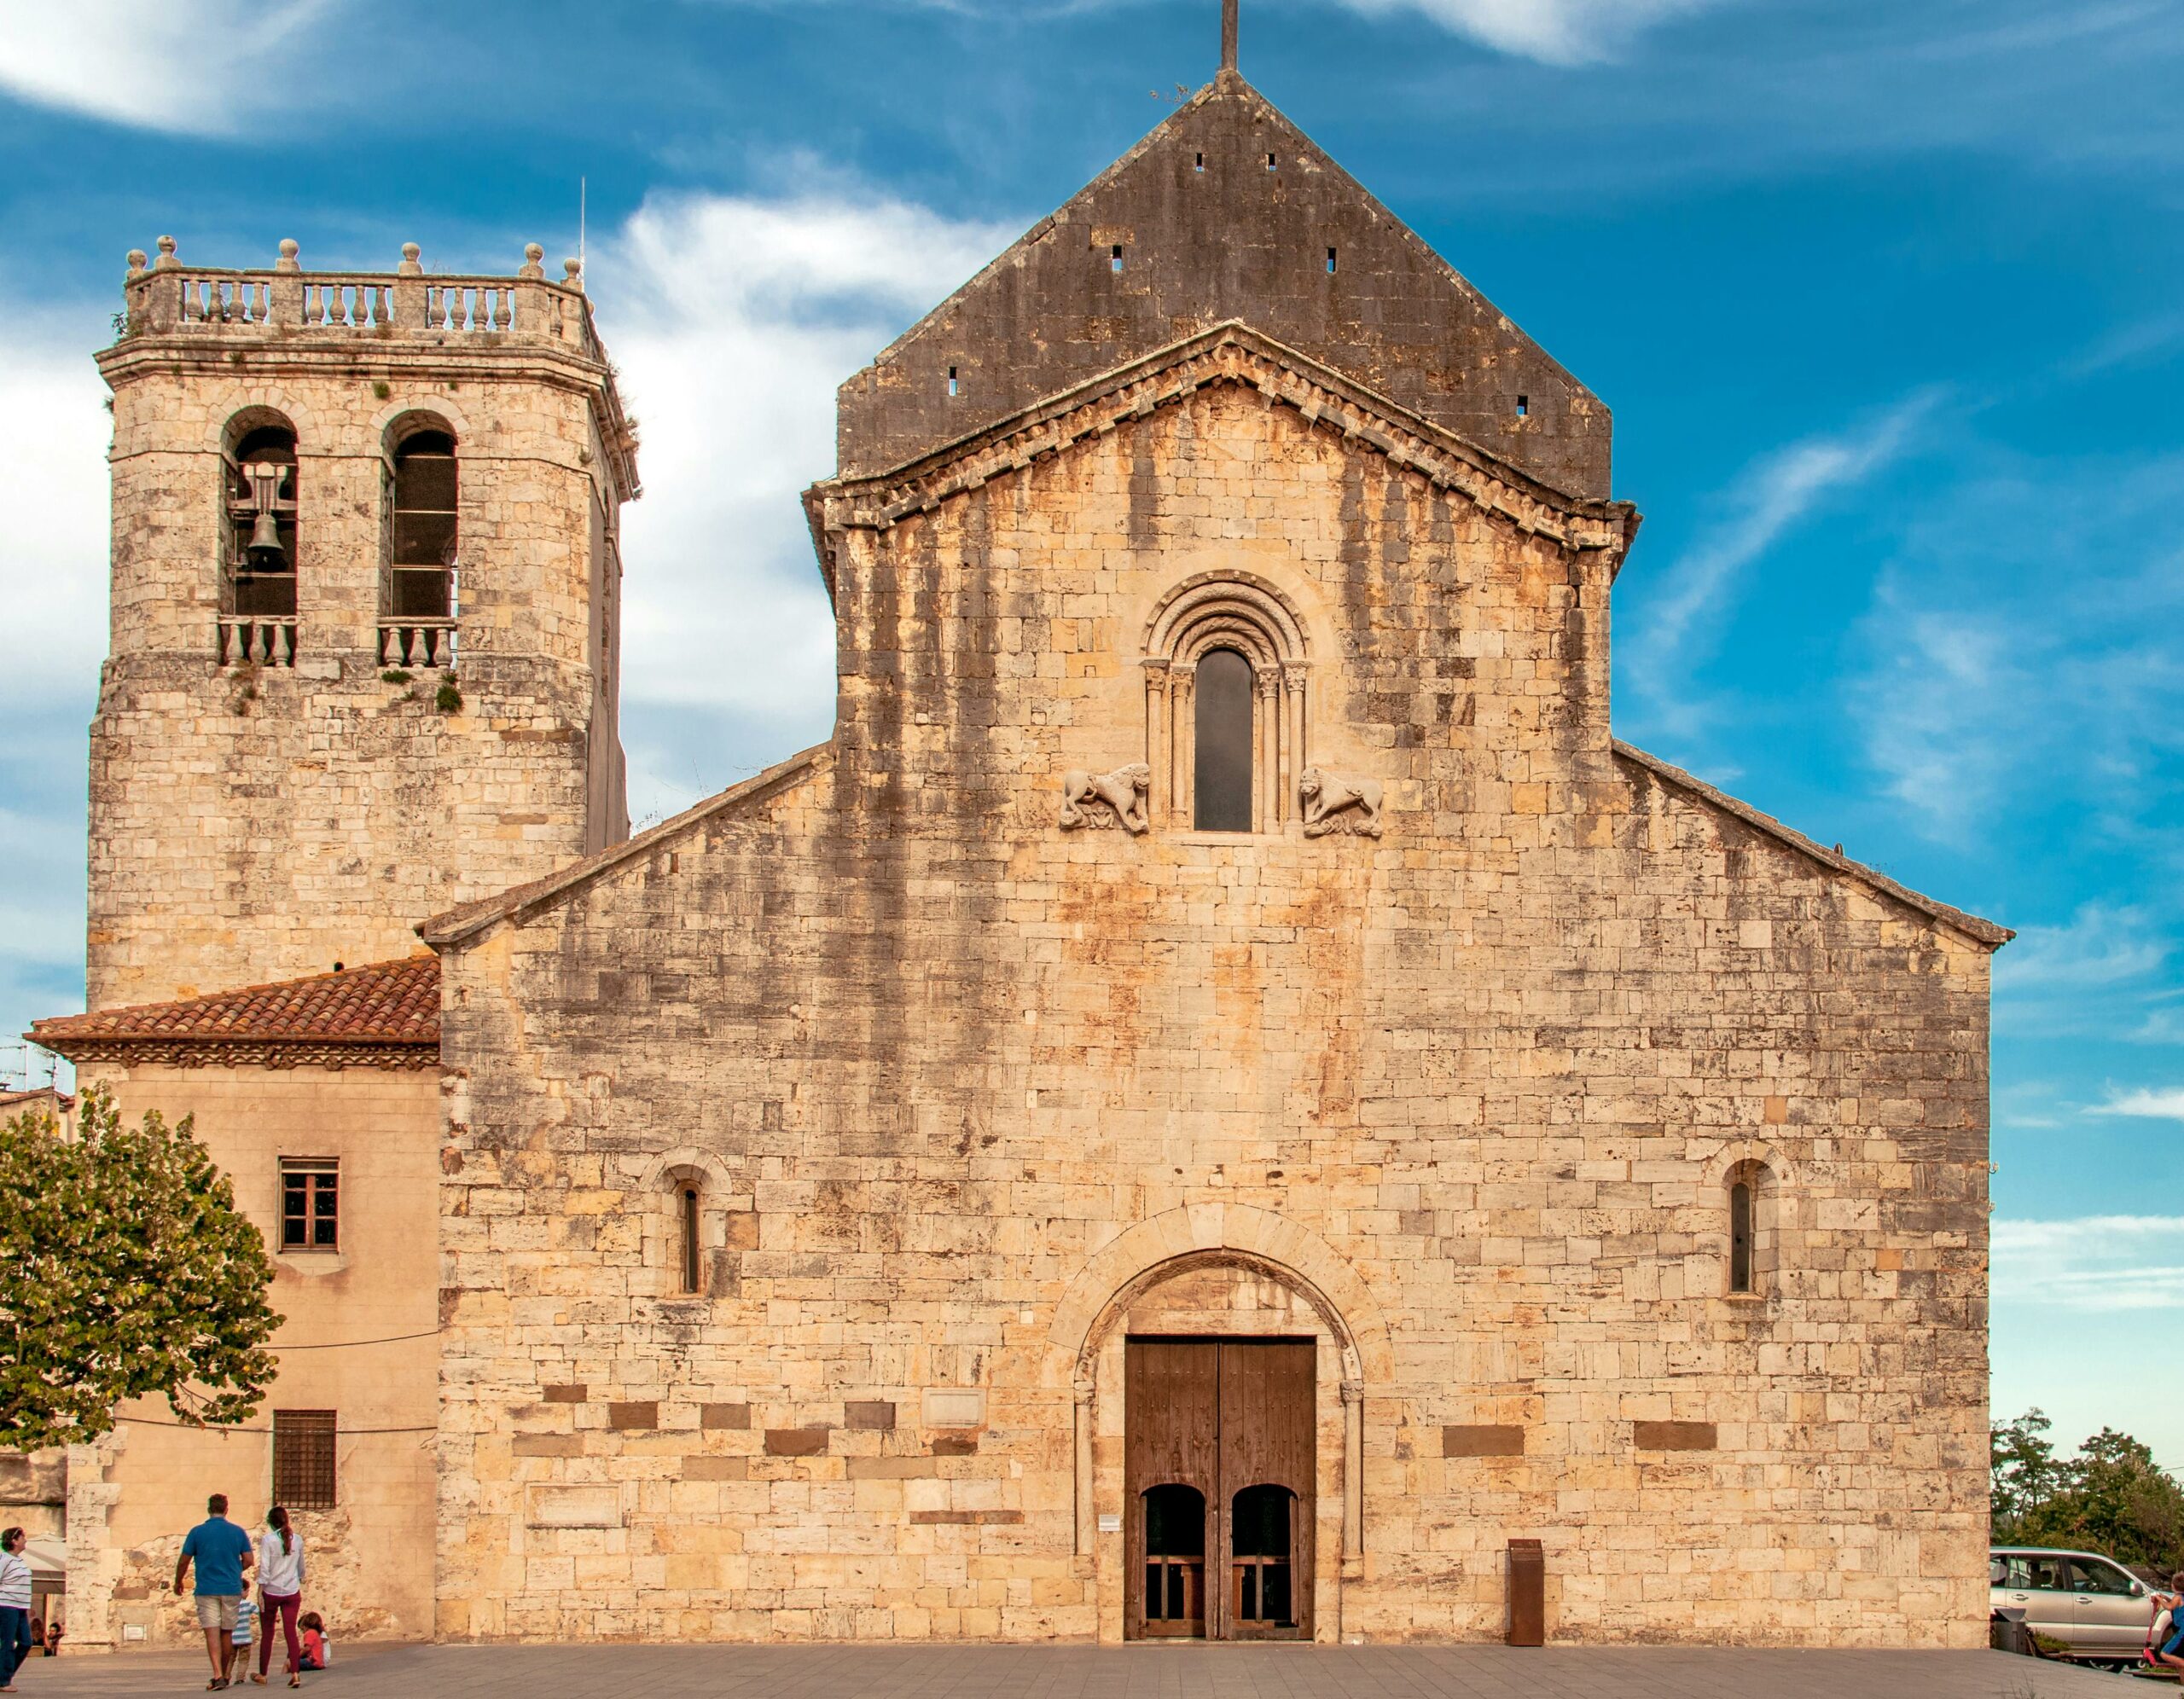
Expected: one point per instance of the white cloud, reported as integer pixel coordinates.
(183, 65)
(2153, 1105)
(733, 320)
(1773, 494)
(2100, 946)
(1555, 31)
(2102, 1263)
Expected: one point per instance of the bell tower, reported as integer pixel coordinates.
(366, 612)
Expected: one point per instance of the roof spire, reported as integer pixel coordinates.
(1228, 36)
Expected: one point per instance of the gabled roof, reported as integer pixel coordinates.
(385, 1015)
(1232, 353)
(1208, 232)
(1970, 925)
(459, 926)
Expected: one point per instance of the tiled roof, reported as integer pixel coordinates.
(387, 1006)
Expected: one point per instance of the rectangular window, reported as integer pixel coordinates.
(303, 1459)
(311, 1203)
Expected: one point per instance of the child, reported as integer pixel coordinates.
(239, 1649)
(318, 1644)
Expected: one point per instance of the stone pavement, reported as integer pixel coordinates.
(1116, 1673)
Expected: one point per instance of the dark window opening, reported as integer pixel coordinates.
(1741, 1237)
(1270, 162)
(421, 583)
(1222, 775)
(1330, 262)
(1261, 1528)
(954, 388)
(303, 1459)
(261, 524)
(1116, 259)
(691, 1253)
(1524, 407)
(1201, 162)
(1175, 1554)
(311, 1203)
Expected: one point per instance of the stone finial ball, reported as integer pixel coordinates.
(289, 248)
(166, 245)
(410, 250)
(573, 267)
(533, 252)
(136, 259)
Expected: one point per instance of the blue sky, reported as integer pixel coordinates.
(1884, 293)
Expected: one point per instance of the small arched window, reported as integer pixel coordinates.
(421, 577)
(1753, 1237)
(1221, 783)
(687, 1218)
(1174, 1558)
(261, 518)
(1262, 1536)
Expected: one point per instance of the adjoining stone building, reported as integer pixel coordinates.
(1223, 1095)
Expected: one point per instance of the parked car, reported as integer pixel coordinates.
(2095, 1607)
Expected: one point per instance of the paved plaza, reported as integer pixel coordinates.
(1117, 1672)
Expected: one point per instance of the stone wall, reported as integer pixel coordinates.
(254, 822)
(960, 1087)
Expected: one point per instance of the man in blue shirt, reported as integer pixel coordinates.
(222, 1552)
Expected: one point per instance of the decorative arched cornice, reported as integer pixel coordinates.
(1749, 1153)
(1208, 608)
(686, 1162)
(429, 404)
(1213, 1235)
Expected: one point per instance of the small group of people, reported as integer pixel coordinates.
(20, 1633)
(222, 1553)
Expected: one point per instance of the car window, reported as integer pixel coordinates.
(1998, 1571)
(2049, 1574)
(2101, 1577)
(2017, 1572)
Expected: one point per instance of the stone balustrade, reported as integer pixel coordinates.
(260, 640)
(166, 297)
(416, 643)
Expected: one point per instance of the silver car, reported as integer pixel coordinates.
(2095, 1607)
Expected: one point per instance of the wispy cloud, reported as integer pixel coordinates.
(181, 65)
(2153, 1105)
(2099, 1263)
(1554, 31)
(735, 318)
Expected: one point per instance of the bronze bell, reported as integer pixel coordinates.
(266, 550)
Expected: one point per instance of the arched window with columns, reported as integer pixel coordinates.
(1225, 671)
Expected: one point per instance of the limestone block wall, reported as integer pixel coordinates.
(959, 1087)
(364, 1316)
(252, 822)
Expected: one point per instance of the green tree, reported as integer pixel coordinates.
(125, 1270)
(2111, 1497)
(2023, 1472)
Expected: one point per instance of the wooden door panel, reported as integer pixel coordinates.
(1172, 1402)
(1268, 1439)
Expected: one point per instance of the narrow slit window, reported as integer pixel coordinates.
(1222, 774)
(1524, 407)
(1115, 260)
(1331, 258)
(1270, 162)
(691, 1251)
(1201, 162)
(954, 387)
(1741, 1237)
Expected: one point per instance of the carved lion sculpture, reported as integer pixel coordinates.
(1335, 803)
(1116, 799)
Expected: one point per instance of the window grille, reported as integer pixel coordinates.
(303, 1459)
(422, 570)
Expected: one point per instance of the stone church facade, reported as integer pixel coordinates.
(1223, 1096)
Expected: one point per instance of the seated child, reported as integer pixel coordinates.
(318, 1644)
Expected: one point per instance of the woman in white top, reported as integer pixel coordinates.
(14, 1606)
(280, 1591)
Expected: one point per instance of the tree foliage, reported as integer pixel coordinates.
(125, 1270)
(2111, 1497)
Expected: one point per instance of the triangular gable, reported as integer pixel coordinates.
(1234, 354)
(1208, 233)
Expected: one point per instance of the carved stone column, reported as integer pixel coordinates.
(1266, 750)
(1183, 703)
(1353, 1476)
(1292, 735)
(1160, 740)
(1087, 1522)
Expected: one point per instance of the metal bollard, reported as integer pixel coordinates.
(1527, 1593)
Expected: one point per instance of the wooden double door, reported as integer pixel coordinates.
(1218, 1478)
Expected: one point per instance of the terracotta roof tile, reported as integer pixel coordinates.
(389, 1003)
